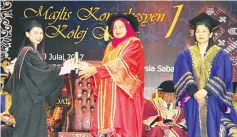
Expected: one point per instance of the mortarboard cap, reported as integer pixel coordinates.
(167, 86)
(129, 17)
(205, 19)
(33, 21)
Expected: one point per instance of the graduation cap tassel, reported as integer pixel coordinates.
(106, 33)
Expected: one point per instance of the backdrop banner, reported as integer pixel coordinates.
(79, 26)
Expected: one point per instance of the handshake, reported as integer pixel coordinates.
(73, 64)
(86, 69)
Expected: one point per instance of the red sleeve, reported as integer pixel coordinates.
(149, 110)
(102, 72)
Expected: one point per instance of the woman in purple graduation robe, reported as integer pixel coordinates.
(202, 77)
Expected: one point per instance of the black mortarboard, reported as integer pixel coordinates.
(30, 22)
(129, 17)
(205, 19)
(167, 86)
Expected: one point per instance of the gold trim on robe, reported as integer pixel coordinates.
(125, 80)
(8, 101)
(202, 68)
(120, 77)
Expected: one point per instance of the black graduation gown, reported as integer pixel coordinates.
(32, 83)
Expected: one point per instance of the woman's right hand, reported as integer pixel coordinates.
(84, 65)
(87, 72)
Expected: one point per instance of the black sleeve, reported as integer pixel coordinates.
(208, 92)
(192, 89)
(42, 79)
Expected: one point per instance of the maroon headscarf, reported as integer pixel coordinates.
(130, 33)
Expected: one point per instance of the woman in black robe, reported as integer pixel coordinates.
(33, 82)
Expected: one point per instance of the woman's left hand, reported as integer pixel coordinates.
(200, 95)
(87, 72)
(203, 93)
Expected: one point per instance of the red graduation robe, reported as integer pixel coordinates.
(120, 84)
(157, 108)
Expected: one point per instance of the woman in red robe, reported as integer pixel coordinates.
(119, 81)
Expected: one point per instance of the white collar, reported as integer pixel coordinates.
(166, 105)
